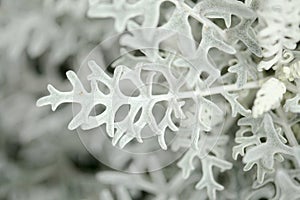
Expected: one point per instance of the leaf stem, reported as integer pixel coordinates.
(287, 129)
(220, 89)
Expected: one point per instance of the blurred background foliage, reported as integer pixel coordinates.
(39, 41)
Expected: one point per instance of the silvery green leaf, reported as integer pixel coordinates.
(207, 162)
(278, 33)
(287, 187)
(244, 69)
(271, 147)
(292, 104)
(236, 107)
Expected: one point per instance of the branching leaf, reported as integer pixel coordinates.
(292, 104)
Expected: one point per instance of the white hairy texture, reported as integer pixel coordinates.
(268, 97)
(290, 72)
(292, 105)
(278, 33)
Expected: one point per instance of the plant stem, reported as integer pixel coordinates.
(230, 88)
(287, 129)
(220, 89)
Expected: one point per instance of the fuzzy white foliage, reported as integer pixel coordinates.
(292, 104)
(236, 107)
(36, 38)
(287, 188)
(290, 72)
(127, 14)
(244, 68)
(123, 12)
(161, 185)
(114, 100)
(207, 161)
(49, 31)
(226, 31)
(268, 97)
(280, 30)
(251, 147)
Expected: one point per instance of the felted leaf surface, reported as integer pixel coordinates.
(278, 33)
(271, 148)
(206, 145)
(128, 128)
(292, 104)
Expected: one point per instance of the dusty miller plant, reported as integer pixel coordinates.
(225, 77)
